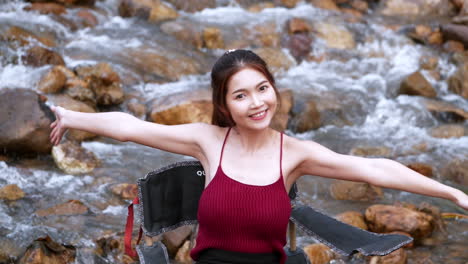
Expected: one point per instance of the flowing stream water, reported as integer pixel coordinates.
(366, 82)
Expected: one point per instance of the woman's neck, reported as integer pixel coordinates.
(253, 140)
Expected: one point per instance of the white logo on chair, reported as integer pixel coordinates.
(201, 173)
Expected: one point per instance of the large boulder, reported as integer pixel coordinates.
(38, 56)
(355, 191)
(458, 82)
(24, 122)
(416, 84)
(335, 36)
(353, 218)
(455, 32)
(184, 31)
(388, 218)
(414, 9)
(25, 37)
(276, 59)
(53, 81)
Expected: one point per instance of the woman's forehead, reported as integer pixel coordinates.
(245, 79)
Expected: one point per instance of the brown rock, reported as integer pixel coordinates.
(87, 18)
(453, 46)
(429, 63)
(256, 8)
(360, 5)
(174, 239)
(78, 89)
(336, 37)
(325, 4)
(413, 9)
(25, 122)
(137, 109)
(387, 218)
(53, 81)
(308, 118)
(448, 131)
(74, 105)
(319, 253)
(264, 35)
(355, 191)
(457, 171)
(127, 191)
(436, 38)
(446, 111)
(371, 151)
(24, 37)
(351, 15)
(192, 5)
(289, 3)
(276, 59)
(11, 192)
(398, 256)
(47, 8)
(281, 118)
(422, 168)
(104, 82)
(458, 82)
(189, 112)
(212, 38)
(184, 31)
(72, 207)
(353, 218)
(455, 32)
(416, 84)
(146, 9)
(410, 245)
(39, 56)
(298, 25)
(45, 250)
(299, 45)
(74, 159)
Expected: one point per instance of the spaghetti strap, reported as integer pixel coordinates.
(224, 143)
(281, 156)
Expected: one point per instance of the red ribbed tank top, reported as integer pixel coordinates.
(243, 218)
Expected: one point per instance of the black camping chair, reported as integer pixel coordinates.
(168, 198)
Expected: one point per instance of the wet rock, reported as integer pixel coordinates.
(45, 250)
(74, 105)
(360, 5)
(174, 239)
(23, 37)
(387, 218)
(325, 4)
(455, 32)
(212, 38)
(74, 159)
(453, 46)
(335, 36)
(355, 191)
(108, 245)
(184, 31)
(457, 171)
(72, 207)
(264, 35)
(78, 89)
(445, 111)
(299, 46)
(153, 11)
(192, 5)
(47, 8)
(11, 192)
(136, 108)
(458, 82)
(39, 56)
(410, 245)
(428, 62)
(281, 118)
(288, 3)
(104, 82)
(183, 254)
(353, 218)
(448, 131)
(53, 81)
(187, 112)
(422, 168)
(307, 119)
(398, 256)
(87, 18)
(256, 8)
(170, 65)
(25, 122)
(126, 191)
(416, 84)
(319, 253)
(298, 25)
(9, 250)
(413, 9)
(276, 59)
(351, 15)
(371, 151)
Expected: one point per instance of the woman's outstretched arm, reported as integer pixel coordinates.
(320, 161)
(181, 139)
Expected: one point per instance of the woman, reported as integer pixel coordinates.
(244, 209)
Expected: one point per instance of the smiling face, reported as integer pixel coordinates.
(251, 99)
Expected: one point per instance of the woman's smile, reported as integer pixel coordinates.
(259, 115)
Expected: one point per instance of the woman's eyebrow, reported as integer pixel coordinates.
(244, 89)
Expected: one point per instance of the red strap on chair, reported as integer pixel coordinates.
(128, 231)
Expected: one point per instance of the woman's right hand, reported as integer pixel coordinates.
(58, 126)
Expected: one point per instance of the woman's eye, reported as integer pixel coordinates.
(239, 96)
(263, 88)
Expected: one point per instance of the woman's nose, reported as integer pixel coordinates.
(256, 101)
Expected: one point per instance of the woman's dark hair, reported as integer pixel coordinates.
(224, 68)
